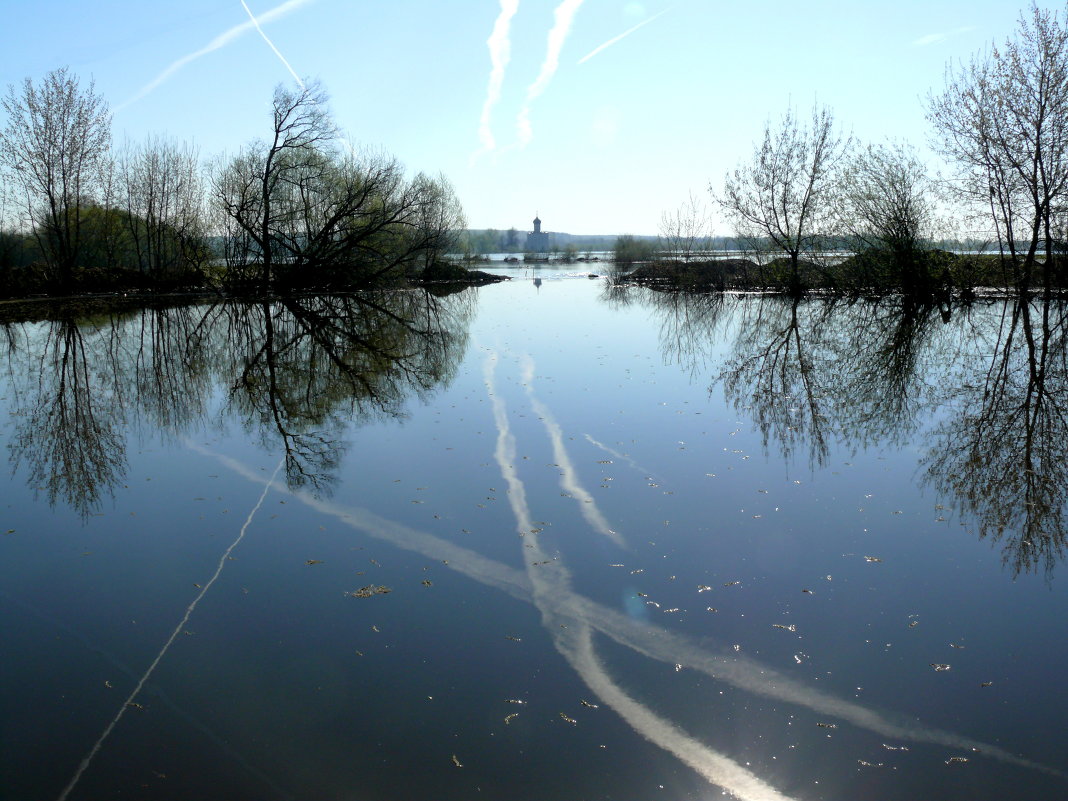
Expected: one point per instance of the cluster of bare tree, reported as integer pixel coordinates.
(301, 208)
(305, 199)
(808, 191)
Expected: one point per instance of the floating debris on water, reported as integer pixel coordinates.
(872, 559)
(428, 583)
(827, 725)
(513, 639)
(986, 684)
(954, 645)
(732, 584)
(509, 718)
(790, 627)
(939, 666)
(703, 588)
(456, 761)
(314, 562)
(515, 701)
(589, 705)
(895, 747)
(956, 760)
(565, 718)
(135, 705)
(711, 609)
(368, 591)
(867, 764)
(808, 592)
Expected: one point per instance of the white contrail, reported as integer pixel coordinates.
(572, 634)
(569, 479)
(500, 49)
(277, 52)
(623, 35)
(170, 640)
(219, 41)
(563, 16)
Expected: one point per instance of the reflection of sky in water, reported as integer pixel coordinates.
(573, 417)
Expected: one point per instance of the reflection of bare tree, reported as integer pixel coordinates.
(1004, 453)
(67, 436)
(305, 369)
(886, 360)
(780, 372)
(308, 366)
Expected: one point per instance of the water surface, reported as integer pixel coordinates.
(545, 539)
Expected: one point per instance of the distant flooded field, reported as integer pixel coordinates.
(546, 539)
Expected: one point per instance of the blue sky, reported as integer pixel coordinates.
(601, 145)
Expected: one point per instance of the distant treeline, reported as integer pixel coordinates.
(298, 209)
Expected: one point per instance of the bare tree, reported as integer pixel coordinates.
(1003, 119)
(164, 192)
(885, 205)
(780, 194)
(686, 232)
(56, 137)
(247, 188)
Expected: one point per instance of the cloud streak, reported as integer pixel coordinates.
(500, 50)
(217, 43)
(935, 38)
(623, 35)
(563, 18)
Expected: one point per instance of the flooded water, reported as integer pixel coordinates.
(547, 539)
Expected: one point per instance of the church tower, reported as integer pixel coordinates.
(537, 240)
